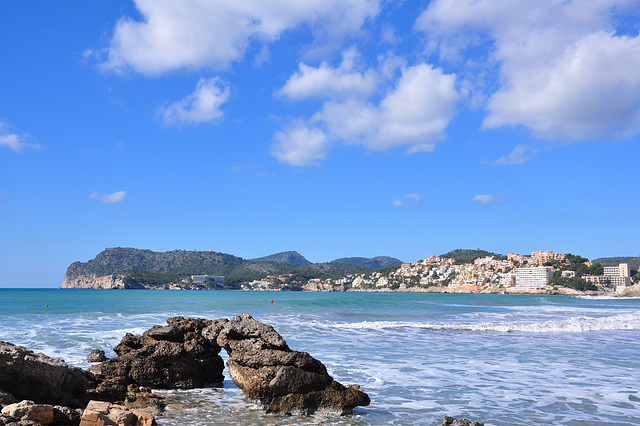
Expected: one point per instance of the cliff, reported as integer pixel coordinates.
(93, 281)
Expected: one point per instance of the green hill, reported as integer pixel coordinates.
(290, 257)
(370, 263)
(118, 260)
(468, 256)
(146, 268)
(634, 262)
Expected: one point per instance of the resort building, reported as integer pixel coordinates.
(203, 279)
(616, 276)
(534, 278)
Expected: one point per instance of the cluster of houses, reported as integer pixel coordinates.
(516, 273)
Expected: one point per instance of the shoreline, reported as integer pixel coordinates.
(631, 291)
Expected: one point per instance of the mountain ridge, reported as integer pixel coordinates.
(125, 267)
(290, 257)
(377, 262)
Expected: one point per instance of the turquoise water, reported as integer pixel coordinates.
(501, 359)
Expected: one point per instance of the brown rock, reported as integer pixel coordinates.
(37, 377)
(174, 356)
(66, 416)
(452, 421)
(144, 417)
(99, 413)
(96, 355)
(28, 410)
(285, 381)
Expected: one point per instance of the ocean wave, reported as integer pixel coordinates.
(605, 297)
(578, 324)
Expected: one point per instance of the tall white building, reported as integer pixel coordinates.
(616, 275)
(622, 270)
(534, 278)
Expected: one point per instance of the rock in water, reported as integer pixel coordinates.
(174, 356)
(285, 381)
(37, 377)
(452, 421)
(96, 355)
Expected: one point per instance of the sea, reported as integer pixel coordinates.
(500, 359)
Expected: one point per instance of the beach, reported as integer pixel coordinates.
(500, 359)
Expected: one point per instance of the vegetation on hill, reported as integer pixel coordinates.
(291, 257)
(468, 256)
(120, 260)
(154, 269)
(634, 262)
(370, 263)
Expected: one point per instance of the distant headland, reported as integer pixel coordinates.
(458, 271)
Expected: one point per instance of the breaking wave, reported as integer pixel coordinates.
(577, 324)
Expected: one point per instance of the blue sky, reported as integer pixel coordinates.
(335, 128)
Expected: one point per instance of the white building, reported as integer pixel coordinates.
(617, 276)
(534, 278)
(622, 270)
(202, 279)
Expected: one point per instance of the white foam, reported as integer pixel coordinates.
(578, 324)
(606, 297)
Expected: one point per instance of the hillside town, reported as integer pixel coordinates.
(543, 272)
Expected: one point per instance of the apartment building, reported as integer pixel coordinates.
(534, 278)
(616, 275)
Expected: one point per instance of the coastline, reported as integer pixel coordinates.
(631, 291)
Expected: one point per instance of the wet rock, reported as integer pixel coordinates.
(37, 377)
(174, 356)
(100, 413)
(96, 355)
(142, 398)
(6, 398)
(66, 416)
(285, 381)
(452, 421)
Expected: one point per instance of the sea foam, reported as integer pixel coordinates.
(577, 324)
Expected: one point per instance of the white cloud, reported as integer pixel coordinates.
(487, 199)
(418, 111)
(115, 197)
(15, 142)
(414, 113)
(565, 72)
(520, 155)
(327, 82)
(194, 34)
(300, 145)
(203, 105)
(409, 200)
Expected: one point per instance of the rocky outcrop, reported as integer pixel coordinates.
(452, 421)
(174, 356)
(94, 281)
(37, 377)
(285, 381)
(185, 354)
(182, 354)
(630, 291)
